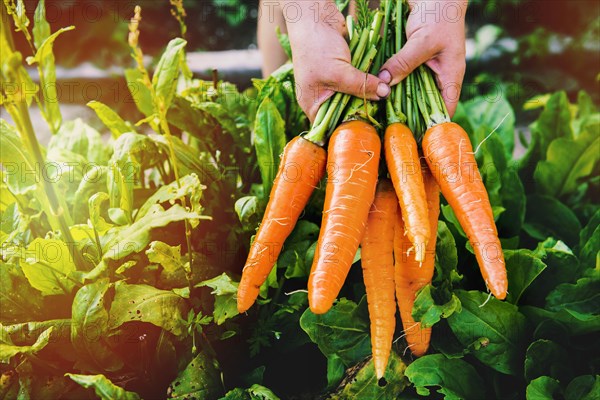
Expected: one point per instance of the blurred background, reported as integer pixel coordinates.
(519, 47)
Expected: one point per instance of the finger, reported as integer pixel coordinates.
(360, 84)
(449, 77)
(311, 102)
(415, 52)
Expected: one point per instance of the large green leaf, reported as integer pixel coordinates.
(8, 350)
(200, 379)
(582, 296)
(522, 267)
(542, 388)
(20, 173)
(89, 325)
(576, 323)
(501, 323)
(142, 97)
(269, 141)
(545, 357)
(103, 387)
(546, 216)
(567, 161)
(361, 381)
(589, 242)
(163, 308)
(585, 387)
(44, 57)
(455, 378)
(80, 138)
(165, 76)
(493, 113)
(342, 331)
(554, 121)
(135, 237)
(18, 300)
(49, 267)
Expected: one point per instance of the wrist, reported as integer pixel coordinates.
(439, 10)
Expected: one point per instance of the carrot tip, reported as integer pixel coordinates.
(419, 245)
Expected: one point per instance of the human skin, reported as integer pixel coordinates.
(321, 56)
(435, 33)
(435, 36)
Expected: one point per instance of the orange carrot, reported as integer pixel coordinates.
(410, 274)
(377, 259)
(301, 168)
(354, 150)
(403, 162)
(449, 154)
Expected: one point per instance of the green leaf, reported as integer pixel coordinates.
(103, 387)
(254, 392)
(94, 204)
(576, 323)
(547, 216)
(589, 242)
(335, 370)
(164, 80)
(110, 118)
(514, 202)
(428, 312)
(44, 57)
(542, 388)
(16, 161)
(246, 208)
(18, 300)
(135, 237)
(493, 114)
(585, 387)
(169, 257)
(567, 162)
(455, 378)
(41, 27)
(545, 357)
(553, 122)
(80, 138)
(269, 141)
(145, 303)
(187, 186)
(49, 267)
(90, 325)
(225, 291)
(582, 296)
(361, 381)
(522, 267)
(141, 93)
(200, 379)
(498, 321)
(284, 41)
(343, 331)
(8, 350)
(446, 259)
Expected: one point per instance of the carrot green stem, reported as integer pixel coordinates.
(436, 108)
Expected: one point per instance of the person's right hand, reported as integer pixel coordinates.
(321, 56)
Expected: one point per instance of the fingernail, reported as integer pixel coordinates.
(385, 76)
(383, 90)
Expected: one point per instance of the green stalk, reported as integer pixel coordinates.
(437, 112)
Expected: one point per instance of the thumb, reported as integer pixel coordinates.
(415, 52)
(360, 84)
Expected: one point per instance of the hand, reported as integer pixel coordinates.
(321, 57)
(435, 33)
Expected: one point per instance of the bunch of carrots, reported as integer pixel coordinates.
(391, 211)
